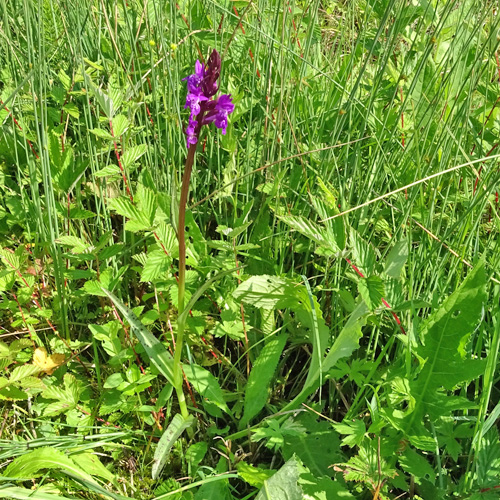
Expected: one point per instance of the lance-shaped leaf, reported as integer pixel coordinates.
(156, 351)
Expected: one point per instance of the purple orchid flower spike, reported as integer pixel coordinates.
(202, 87)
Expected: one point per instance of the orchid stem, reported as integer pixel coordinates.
(181, 235)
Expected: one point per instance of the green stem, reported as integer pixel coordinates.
(181, 322)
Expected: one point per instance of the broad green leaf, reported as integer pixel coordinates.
(319, 335)
(316, 487)
(9, 491)
(206, 385)
(254, 476)
(124, 207)
(284, 484)
(371, 290)
(157, 263)
(446, 362)
(108, 170)
(105, 102)
(77, 244)
(416, 465)
(396, 259)
(317, 446)
(363, 253)
(256, 392)
(310, 230)
(91, 464)
(21, 372)
(102, 134)
(33, 464)
(354, 432)
(120, 125)
(157, 352)
(132, 154)
(174, 430)
(146, 201)
(72, 110)
(270, 292)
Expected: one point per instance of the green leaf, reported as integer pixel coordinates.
(284, 484)
(132, 154)
(206, 385)
(372, 291)
(445, 360)
(21, 372)
(77, 244)
(157, 352)
(416, 465)
(254, 476)
(363, 253)
(260, 378)
(322, 488)
(124, 207)
(33, 464)
(269, 292)
(345, 344)
(396, 259)
(9, 491)
(105, 102)
(157, 263)
(174, 430)
(120, 125)
(317, 446)
(72, 110)
(102, 134)
(354, 431)
(91, 464)
(108, 170)
(311, 230)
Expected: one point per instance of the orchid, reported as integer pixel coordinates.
(202, 86)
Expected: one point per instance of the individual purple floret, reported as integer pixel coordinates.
(223, 107)
(202, 86)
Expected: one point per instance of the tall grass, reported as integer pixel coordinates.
(362, 97)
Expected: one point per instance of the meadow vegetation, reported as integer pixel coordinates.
(333, 329)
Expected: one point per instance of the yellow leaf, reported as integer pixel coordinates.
(47, 363)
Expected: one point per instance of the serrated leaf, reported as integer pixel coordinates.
(254, 476)
(157, 263)
(21, 372)
(102, 134)
(120, 125)
(132, 154)
(72, 110)
(260, 378)
(372, 291)
(77, 244)
(446, 362)
(108, 170)
(311, 230)
(345, 344)
(174, 430)
(270, 292)
(363, 253)
(9, 491)
(317, 446)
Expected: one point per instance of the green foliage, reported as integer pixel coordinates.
(342, 251)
